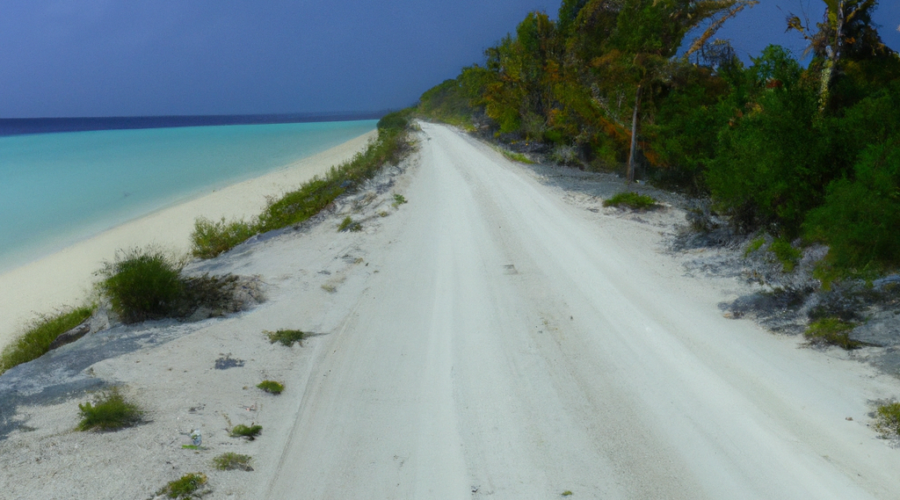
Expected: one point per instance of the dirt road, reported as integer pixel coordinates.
(515, 346)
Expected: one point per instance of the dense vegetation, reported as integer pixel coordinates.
(211, 238)
(811, 152)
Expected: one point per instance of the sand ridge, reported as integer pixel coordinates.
(65, 278)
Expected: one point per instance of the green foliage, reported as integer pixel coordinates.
(860, 217)
(349, 225)
(271, 386)
(786, 254)
(36, 340)
(211, 238)
(141, 284)
(232, 461)
(108, 412)
(631, 200)
(244, 431)
(185, 487)
(286, 337)
(831, 331)
(399, 199)
(887, 419)
(755, 245)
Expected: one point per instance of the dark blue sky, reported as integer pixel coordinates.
(159, 57)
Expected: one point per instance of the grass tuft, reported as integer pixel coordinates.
(232, 461)
(286, 337)
(210, 239)
(185, 487)
(35, 342)
(754, 245)
(141, 284)
(786, 254)
(243, 431)
(831, 331)
(887, 420)
(399, 199)
(631, 200)
(271, 386)
(349, 224)
(109, 412)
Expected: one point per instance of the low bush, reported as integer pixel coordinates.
(36, 340)
(399, 199)
(631, 200)
(185, 487)
(831, 331)
(108, 412)
(232, 461)
(141, 284)
(244, 431)
(271, 386)
(887, 419)
(286, 337)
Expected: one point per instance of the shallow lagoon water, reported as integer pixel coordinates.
(59, 188)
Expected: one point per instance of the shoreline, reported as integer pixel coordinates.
(65, 278)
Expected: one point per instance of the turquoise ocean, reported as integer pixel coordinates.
(62, 187)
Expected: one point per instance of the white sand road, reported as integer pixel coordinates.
(513, 346)
(491, 338)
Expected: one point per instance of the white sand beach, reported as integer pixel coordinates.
(65, 278)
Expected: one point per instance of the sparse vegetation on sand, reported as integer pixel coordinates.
(349, 224)
(213, 238)
(108, 412)
(232, 461)
(399, 199)
(36, 340)
(187, 486)
(286, 337)
(831, 331)
(244, 431)
(271, 387)
(887, 420)
(631, 200)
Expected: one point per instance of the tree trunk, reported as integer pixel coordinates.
(629, 176)
(832, 62)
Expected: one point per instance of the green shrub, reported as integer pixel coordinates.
(887, 419)
(786, 254)
(210, 239)
(399, 199)
(35, 342)
(186, 487)
(271, 386)
(243, 431)
(831, 331)
(108, 412)
(631, 200)
(286, 337)
(141, 284)
(232, 461)
(860, 217)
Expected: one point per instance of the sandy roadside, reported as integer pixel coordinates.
(65, 278)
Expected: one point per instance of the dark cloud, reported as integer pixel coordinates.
(151, 57)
